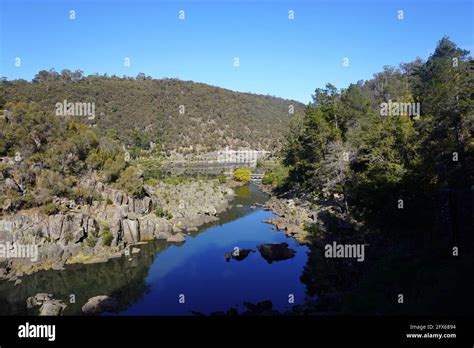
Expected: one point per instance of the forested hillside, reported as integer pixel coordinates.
(387, 166)
(390, 163)
(179, 115)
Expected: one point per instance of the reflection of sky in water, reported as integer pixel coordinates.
(199, 270)
(152, 281)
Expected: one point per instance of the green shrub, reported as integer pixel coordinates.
(131, 181)
(276, 177)
(86, 195)
(160, 212)
(151, 167)
(222, 179)
(107, 236)
(96, 158)
(113, 167)
(91, 241)
(4, 167)
(50, 209)
(151, 182)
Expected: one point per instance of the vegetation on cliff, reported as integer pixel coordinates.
(181, 116)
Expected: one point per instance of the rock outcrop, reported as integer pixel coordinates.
(276, 252)
(239, 255)
(48, 305)
(99, 304)
(104, 229)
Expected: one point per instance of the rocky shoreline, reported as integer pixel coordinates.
(294, 215)
(297, 214)
(111, 227)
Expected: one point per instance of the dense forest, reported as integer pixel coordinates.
(400, 182)
(345, 145)
(181, 116)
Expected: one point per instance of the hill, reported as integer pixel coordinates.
(180, 115)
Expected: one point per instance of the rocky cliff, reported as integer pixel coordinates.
(108, 228)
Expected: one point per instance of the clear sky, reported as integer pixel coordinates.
(277, 56)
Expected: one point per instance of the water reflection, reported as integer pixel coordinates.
(152, 282)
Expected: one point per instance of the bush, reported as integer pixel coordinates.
(86, 195)
(151, 182)
(131, 180)
(160, 212)
(113, 167)
(222, 179)
(50, 209)
(276, 177)
(52, 183)
(4, 167)
(91, 241)
(107, 236)
(96, 158)
(242, 174)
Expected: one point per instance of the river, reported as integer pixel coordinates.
(194, 276)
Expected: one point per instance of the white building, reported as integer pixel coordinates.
(240, 156)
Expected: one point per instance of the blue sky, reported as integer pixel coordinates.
(278, 56)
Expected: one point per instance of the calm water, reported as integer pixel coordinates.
(152, 283)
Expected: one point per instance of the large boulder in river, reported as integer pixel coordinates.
(38, 299)
(238, 255)
(276, 252)
(99, 304)
(52, 308)
(49, 305)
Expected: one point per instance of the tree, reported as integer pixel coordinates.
(131, 181)
(242, 174)
(306, 147)
(445, 91)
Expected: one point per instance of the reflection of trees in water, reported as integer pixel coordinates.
(430, 283)
(246, 195)
(120, 277)
(326, 278)
(244, 191)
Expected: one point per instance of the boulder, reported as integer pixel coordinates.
(31, 302)
(99, 304)
(276, 252)
(163, 235)
(147, 227)
(239, 256)
(131, 231)
(176, 238)
(135, 250)
(52, 308)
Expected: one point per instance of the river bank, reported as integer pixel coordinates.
(151, 281)
(307, 219)
(110, 227)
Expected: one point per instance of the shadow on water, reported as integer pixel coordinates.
(128, 280)
(116, 277)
